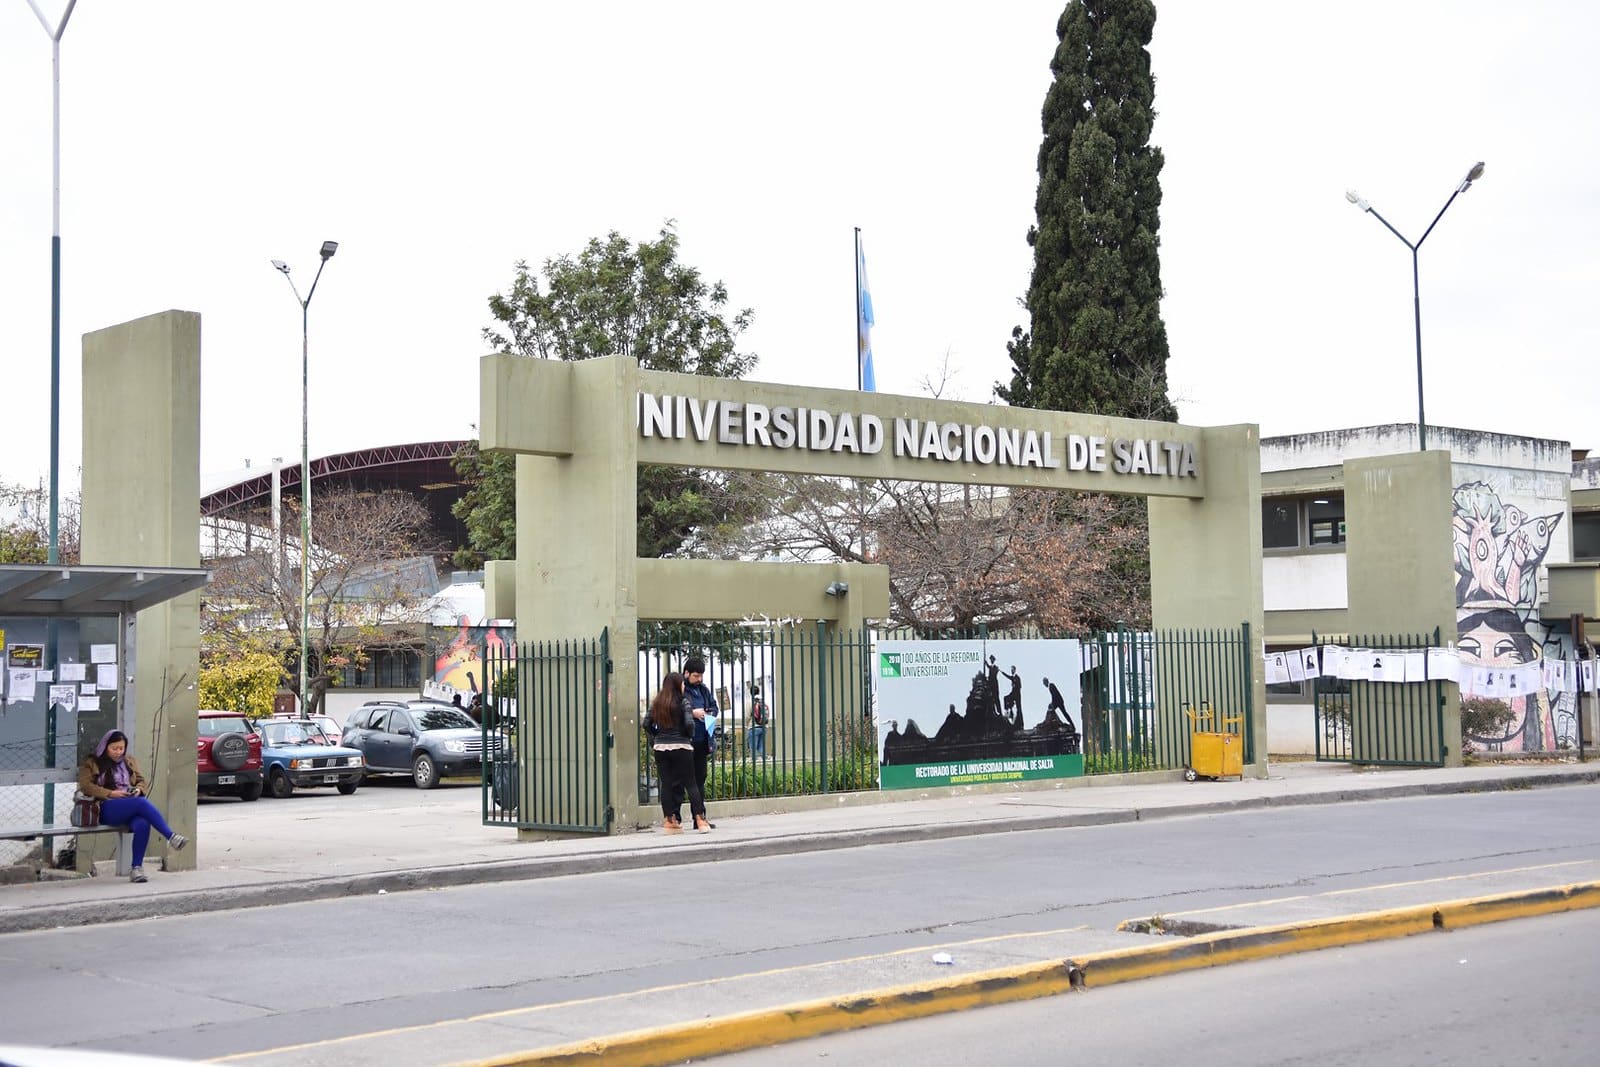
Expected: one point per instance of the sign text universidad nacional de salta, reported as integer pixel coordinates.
(761, 426)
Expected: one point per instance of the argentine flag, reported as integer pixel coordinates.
(864, 320)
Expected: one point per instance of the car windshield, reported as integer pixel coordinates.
(441, 719)
(286, 733)
(217, 725)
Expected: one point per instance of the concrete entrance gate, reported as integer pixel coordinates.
(581, 429)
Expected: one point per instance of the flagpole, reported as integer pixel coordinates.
(861, 489)
(858, 309)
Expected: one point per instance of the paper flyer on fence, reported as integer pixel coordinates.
(1444, 665)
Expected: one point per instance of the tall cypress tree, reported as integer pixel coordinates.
(1097, 342)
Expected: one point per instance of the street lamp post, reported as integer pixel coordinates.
(328, 249)
(1416, 292)
(52, 552)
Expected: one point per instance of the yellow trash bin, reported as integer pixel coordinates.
(1213, 753)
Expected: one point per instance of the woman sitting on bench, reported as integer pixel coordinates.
(112, 777)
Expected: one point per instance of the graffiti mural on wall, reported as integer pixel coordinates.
(1498, 550)
(459, 661)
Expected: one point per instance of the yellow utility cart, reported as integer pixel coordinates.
(1213, 752)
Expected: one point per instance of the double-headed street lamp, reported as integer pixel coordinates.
(1416, 293)
(328, 249)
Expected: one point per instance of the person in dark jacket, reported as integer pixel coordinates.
(703, 705)
(1057, 705)
(671, 727)
(112, 777)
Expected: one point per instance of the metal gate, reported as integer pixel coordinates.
(547, 735)
(817, 735)
(1394, 723)
(1138, 685)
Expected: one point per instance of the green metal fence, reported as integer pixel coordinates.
(822, 736)
(548, 767)
(1137, 686)
(547, 736)
(819, 736)
(1393, 723)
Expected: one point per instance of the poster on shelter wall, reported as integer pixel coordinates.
(976, 712)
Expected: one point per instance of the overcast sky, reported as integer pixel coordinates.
(440, 143)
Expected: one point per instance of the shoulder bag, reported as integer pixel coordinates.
(85, 810)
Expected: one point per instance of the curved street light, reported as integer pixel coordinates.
(328, 249)
(1416, 292)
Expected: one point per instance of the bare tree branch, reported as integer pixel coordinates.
(369, 580)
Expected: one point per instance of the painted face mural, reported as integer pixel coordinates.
(1498, 549)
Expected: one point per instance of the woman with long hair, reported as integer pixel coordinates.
(112, 777)
(671, 728)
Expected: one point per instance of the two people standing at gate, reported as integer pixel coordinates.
(112, 777)
(672, 727)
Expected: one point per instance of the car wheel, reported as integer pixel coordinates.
(278, 783)
(346, 788)
(424, 771)
(252, 791)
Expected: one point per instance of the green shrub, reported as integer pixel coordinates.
(1483, 717)
(244, 682)
(1113, 762)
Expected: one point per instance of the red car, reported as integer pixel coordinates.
(228, 760)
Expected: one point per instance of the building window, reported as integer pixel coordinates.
(1280, 522)
(386, 668)
(1325, 520)
(1586, 536)
(1308, 521)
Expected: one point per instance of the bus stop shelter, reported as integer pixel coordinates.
(69, 639)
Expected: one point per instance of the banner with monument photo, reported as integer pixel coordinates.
(974, 712)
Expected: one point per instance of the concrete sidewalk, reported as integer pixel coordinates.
(319, 846)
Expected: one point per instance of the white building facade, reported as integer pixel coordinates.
(1510, 514)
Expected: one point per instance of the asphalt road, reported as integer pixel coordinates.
(306, 976)
(1516, 992)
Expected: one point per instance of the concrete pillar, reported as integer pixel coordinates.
(1205, 562)
(576, 570)
(1400, 564)
(500, 589)
(141, 505)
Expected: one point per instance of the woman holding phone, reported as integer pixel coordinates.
(112, 777)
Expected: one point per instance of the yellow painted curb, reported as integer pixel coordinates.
(794, 1022)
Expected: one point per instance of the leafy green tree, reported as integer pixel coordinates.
(488, 508)
(25, 525)
(612, 298)
(619, 299)
(1097, 343)
(19, 545)
(243, 680)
